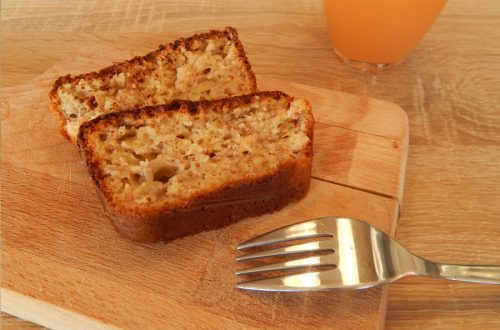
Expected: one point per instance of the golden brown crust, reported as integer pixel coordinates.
(248, 197)
(229, 32)
(54, 106)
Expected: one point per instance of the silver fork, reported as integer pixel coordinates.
(358, 255)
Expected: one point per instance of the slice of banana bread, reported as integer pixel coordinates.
(177, 169)
(203, 67)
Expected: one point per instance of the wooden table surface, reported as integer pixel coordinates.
(450, 87)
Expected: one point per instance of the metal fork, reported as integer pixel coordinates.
(358, 255)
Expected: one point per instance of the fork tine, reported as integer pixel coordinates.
(325, 260)
(312, 281)
(301, 230)
(294, 249)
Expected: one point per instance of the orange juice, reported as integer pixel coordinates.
(379, 31)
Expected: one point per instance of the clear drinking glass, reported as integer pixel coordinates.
(376, 34)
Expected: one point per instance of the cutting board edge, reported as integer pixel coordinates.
(47, 314)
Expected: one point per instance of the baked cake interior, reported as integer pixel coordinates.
(175, 155)
(212, 69)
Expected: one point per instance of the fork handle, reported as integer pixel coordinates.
(468, 273)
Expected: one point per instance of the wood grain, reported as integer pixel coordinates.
(55, 236)
(448, 86)
(10, 322)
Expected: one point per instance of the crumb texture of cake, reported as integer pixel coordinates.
(155, 162)
(204, 67)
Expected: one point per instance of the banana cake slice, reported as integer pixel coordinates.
(206, 66)
(172, 170)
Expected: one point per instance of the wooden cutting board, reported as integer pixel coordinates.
(63, 265)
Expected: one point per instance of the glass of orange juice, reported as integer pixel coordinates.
(375, 34)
